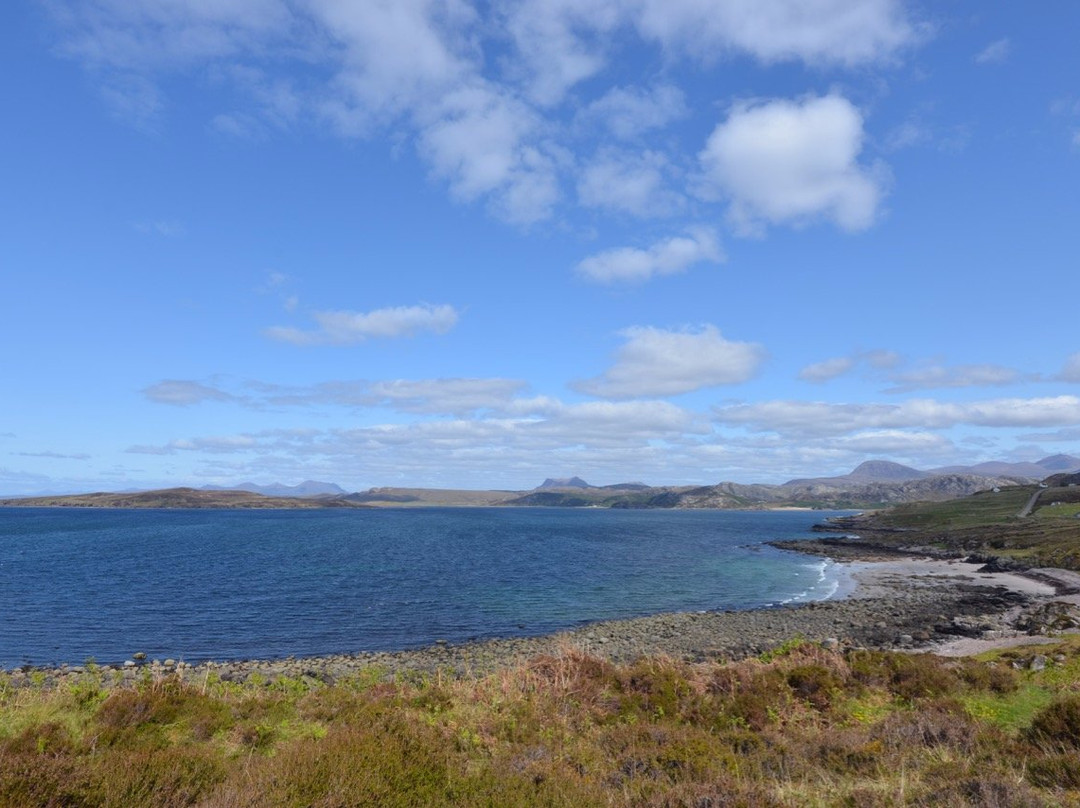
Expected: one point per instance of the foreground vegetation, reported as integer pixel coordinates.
(802, 727)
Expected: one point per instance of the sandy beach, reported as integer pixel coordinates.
(947, 607)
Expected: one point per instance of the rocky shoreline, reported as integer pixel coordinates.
(894, 607)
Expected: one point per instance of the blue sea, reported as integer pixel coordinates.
(219, 584)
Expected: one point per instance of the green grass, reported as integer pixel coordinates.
(802, 727)
(987, 523)
(1064, 510)
(984, 508)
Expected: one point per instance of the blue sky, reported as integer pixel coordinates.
(475, 244)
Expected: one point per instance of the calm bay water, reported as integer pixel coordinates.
(196, 584)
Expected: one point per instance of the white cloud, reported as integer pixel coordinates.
(1058, 436)
(563, 42)
(475, 87)
(845, 32)
(631, 111)
(628, 183)
(909, 133)
(419, 59)
(223, 444)
(817, 419)
(894, 441)
(925, 376)
(395, 56)
(938, 376)
(151, 34)
(994, 53)
(455, 396)
(791, 162)
(479, 140)
(827, 370)
(184, 393)
(449, 396)
(53, 455)
(881, 359)
(347, 327)
(654, 362)
(668, 257)
(560, 42)
(600, 426)
(1071, 371)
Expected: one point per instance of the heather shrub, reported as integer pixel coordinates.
(941, 723)
(141, 716)
(1055, 770)
(655, 689)
(908, 676)
(986, 791)
(981, 676)
(1058, 725)
(29, 779)
(51, 739)
(164, 778)
(814, 684)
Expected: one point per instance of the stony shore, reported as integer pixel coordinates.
(899, 604)
(896, 602)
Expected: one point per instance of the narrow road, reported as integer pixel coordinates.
(1026, 510)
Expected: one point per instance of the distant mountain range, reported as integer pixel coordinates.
(881, 471)
(871, 484)
(1055, 464)
(308, 488)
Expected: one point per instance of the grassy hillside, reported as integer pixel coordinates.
(977, 510)
(987, 523)
(804, 727)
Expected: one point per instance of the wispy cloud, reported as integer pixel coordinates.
(808, 418)
(448, 396)
(490, 128)
(655, 362)
(184, 393)
(902, 376)
(937, 377)
(628, 112)
(658, 438)
(169, 228)
(631, 183)
(668, 257)
(994, 53)
(53, 455)
(1071, 371)
(349, 327)
(427, 396)
(827, 370)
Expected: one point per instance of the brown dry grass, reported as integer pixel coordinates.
(806, 727)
